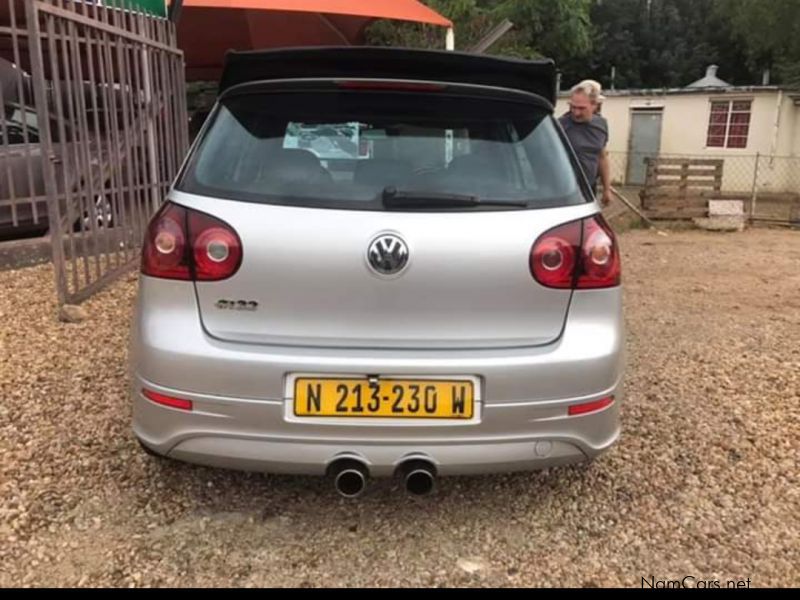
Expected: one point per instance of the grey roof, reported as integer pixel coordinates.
(655, 92)
(710, 80)
(710, 84)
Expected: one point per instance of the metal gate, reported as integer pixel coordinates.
(109, 90)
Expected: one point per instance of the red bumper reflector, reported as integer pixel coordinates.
(167, 400)
(588, 407)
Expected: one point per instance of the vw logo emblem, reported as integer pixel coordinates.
(387, 254)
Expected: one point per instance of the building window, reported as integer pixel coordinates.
(729, 124)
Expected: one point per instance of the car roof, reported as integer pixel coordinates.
(325, 62)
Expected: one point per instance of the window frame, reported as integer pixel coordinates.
(729, 113)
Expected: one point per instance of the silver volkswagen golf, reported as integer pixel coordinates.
(379, 262)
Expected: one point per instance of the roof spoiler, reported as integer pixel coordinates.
(533, 76)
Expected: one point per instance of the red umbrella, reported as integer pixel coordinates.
(208, 28)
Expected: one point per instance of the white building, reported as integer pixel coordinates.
(709, 119)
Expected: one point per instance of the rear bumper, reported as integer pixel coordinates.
(241, 404)
(253, 435)
(382, 460)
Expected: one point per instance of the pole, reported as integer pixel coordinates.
(630, 205)
(152, 152)
(175, 10)
(48, 156)
(450, 39)
(754, 195)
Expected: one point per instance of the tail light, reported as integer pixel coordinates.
(581, 255)
(189, 245)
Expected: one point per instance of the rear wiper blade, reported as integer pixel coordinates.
(394, 198)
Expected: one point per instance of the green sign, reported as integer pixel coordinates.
(150, 7)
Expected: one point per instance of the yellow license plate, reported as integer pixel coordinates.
(392, 398)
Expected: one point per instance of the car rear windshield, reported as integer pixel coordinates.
(349, 149)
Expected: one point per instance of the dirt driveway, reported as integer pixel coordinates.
(704, 482)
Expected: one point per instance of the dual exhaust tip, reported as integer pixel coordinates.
(350, 477)
(418, 477)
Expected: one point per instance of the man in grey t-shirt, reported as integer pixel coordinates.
(587, 131)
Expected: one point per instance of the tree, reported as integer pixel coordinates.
(770, 32)
(659, 44)
(647, 43)
(467, 16)
(554, 28)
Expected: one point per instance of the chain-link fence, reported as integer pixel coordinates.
(768, 185)
(777, 189)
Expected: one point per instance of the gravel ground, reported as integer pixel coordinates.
(704, 481)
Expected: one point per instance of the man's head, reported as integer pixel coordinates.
(584, 100)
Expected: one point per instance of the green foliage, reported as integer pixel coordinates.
(542, 27)
(659, 44)
(770, 31)
(648, 43)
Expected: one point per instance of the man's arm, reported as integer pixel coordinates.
(605, 176)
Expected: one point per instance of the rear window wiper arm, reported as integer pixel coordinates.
(394, 198)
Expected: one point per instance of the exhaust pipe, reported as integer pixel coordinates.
(419, 477)
(349, 477)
